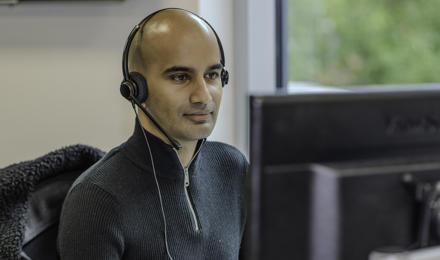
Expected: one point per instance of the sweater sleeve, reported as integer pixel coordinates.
(245, 193)
(90, 226)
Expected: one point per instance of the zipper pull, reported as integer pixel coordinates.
(185, 171)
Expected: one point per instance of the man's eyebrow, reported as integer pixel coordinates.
(188, 69)
(177, 69)
(217, 66)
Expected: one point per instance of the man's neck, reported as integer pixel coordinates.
(188, 148)
(187, 153)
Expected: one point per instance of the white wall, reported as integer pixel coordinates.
(254, 59)
(60, 70)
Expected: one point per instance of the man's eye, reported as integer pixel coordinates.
(212, 75)
(179, 77)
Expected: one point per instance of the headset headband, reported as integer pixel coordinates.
(145, 20)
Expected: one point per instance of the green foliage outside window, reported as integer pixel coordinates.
(346, 42)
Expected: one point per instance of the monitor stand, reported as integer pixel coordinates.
(430, 253)
(428, 195)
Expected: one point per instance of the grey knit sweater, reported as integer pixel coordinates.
(112, 211)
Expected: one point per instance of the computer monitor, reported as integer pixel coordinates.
(335, 176)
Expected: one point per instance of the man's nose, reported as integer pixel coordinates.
(200, 92)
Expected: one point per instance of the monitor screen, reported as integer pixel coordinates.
(335, 176)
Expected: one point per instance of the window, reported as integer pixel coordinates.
(363, 42)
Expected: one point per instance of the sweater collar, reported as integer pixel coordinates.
(166, 161)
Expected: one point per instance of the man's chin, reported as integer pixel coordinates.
(197, 134)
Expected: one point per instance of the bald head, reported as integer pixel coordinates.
(162, 32)
(178, 54)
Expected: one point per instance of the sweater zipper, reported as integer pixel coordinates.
(191, 208)
(186, 185)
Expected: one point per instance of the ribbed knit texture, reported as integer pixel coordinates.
(113, 210)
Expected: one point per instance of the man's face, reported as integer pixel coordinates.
(183, 77)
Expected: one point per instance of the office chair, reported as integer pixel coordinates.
(31, 196)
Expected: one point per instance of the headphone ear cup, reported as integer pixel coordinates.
(127, 89)
(141, 84)
(224, 76)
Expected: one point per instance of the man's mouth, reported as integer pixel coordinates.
(198, 117)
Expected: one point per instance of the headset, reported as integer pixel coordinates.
(134, 88)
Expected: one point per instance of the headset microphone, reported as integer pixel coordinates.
(127, 92)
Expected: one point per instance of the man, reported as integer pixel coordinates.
(195, 210)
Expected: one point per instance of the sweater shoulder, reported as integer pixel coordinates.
(220, 147)
(106, 173)
(225, 153)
